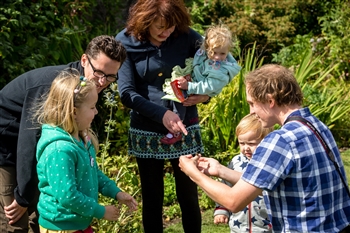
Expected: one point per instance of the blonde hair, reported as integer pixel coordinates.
(251, 123)
(56, 108)
(217, 36)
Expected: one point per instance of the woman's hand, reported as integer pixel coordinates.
(195, 99)
(173, 123)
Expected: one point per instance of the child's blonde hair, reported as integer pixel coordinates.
(217, 36)
(251, 123)
(68, 90)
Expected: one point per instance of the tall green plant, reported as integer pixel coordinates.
(121, 168)
(112, 122)
(326, 96)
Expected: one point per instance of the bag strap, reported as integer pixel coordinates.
(324, 144)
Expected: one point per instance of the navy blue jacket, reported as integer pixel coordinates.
(18, 135)
(142, 76)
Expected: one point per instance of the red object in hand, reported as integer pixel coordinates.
(180, 94)
(188, 77)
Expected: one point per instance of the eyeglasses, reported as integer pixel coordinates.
(100, 74)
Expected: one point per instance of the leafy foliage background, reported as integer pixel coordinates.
(312, 37)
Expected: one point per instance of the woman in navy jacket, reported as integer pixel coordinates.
(157, 38)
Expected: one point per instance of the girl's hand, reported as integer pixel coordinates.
(127, 200)
(112, 213)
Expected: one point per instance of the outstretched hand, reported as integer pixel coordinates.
(209, 166)
(188, 164)
(127, 200)
(111, 213)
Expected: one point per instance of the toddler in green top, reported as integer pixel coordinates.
(69, 177)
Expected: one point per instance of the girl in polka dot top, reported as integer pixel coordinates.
(69, 177)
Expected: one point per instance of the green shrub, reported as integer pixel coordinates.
(172, 211)
(28, 31)
(327, 97)
(169, 190)
(34, 34)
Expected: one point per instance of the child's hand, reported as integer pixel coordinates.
(220, 218)
(182, 83)
(127, 199)
(112, 213)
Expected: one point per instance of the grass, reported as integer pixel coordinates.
(207, 217)
(207, 225)
(346, 160)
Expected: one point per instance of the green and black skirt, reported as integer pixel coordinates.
(146, 144)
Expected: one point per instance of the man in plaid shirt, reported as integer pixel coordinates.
(303, 191)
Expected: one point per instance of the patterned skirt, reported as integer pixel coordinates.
(146, 144)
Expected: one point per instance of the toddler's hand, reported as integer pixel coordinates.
(221, 218)
(182, 83)
(127, 199)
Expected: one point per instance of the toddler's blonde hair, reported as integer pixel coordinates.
(217, 36)
(251, 123)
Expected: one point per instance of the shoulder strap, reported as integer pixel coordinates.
(324, 144)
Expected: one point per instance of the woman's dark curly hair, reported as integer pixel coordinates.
(144, 12)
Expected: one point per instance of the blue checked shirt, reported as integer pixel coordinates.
(302, 189)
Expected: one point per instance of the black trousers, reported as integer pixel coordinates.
(152, 185)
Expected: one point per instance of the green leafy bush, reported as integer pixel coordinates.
(38, 33)
(169, 189)
(172, 211)
(28, 31)
(35, 33)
